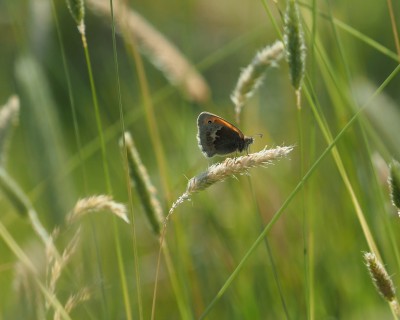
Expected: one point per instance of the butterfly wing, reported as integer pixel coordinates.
(217, 136)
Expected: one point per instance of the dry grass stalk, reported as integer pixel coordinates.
(160, 51)
(252, 76)
(96, 204)
(141, 180)
(230, 167)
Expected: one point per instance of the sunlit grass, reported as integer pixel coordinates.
(283, 241)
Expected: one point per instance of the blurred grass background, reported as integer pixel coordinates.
(314, 268)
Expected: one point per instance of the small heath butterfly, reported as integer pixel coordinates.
(218, 136)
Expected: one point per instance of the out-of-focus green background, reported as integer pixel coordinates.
(319, 233)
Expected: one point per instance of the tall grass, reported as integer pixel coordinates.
(312, 236)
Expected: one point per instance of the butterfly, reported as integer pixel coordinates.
(218, 136)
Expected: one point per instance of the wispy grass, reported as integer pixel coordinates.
(229, 168)
(252, 76)
(95, 204)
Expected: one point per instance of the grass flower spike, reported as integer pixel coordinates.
(95, 204)
(382, 281)
(252, 76)
(394, 184)
(145, 189)
(295, 46)
(230, 167)
(77, 10)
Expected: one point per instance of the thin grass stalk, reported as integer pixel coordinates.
(76, 8)
(106, 171)
(151, 121)
(44, 135)
(153, 213)
(311, 206)
(271, 18)
(121, 267)
(272, 261)
(325, 129)
(337, 159)
(291, 196)
(81, 157)
(97, 117)
(21, 202)
(183, 304)
(328, 137)
(394, 27)
(342, 171)
(184, 307)
(388, 224)
(125, 159)
(14, 193)
(304, 213)
(345, 81)
(70, 95)
(55, 264)
(357, 34)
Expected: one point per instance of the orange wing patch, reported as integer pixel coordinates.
(225, 123)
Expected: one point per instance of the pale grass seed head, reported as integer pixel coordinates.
(96, 204)
(252, 76)
(141, 180)
(230, 167)
(157, 48)
(380, 277)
